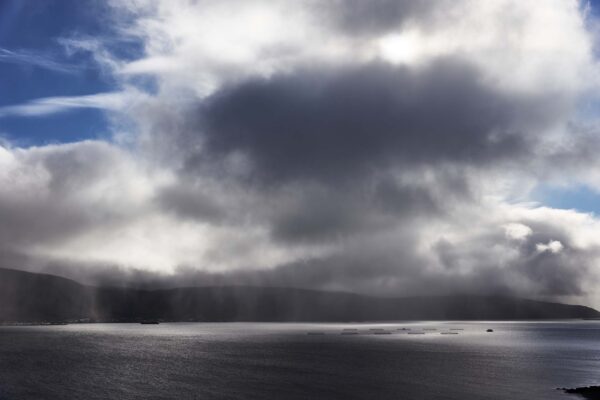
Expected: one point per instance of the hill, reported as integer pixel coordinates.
(29, 297)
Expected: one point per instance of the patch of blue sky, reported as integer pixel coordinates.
(34, 65)
(578, 197)
(21, 83)
(34, 24)
(70, 126)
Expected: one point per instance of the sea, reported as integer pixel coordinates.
(403, 360)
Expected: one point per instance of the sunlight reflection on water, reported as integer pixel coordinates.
(519, 360)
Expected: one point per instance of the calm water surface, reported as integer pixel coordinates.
(519, 360)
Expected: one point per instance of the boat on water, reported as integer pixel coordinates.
(150, 322)
(490, 330)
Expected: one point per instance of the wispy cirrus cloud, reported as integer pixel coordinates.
(25, 57)
(54, 105)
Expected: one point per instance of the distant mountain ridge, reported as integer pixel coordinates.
(31, 297)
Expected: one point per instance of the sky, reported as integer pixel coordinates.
(389, 147)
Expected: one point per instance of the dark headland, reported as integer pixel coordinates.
(586, 392)
(30, 297)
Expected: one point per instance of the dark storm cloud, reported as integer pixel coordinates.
(331, 142)
(375, 17)
(312, 213)
(321, 213)
(188, 202)
(321, 216)
(323, 125)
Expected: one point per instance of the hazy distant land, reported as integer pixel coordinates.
(29, 297)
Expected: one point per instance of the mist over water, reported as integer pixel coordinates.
(519, 360)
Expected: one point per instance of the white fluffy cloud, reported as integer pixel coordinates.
(517, 231)
(553, 246)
